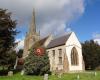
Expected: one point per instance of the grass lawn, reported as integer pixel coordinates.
(68, 76)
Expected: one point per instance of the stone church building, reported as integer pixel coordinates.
(65, 53)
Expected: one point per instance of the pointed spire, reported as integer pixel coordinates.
(39, 33)
(33, 25)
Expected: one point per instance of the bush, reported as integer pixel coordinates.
(98, 68)
(37, 64)
(3, 72)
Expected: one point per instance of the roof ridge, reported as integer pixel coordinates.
(63, 35)
(59, 41)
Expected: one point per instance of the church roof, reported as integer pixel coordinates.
(58, 41)
(41, 41)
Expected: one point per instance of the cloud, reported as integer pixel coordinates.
(54, 15)
(20, 44)
(97, 40)
(51, 15)
(96, 37)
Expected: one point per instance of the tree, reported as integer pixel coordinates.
(35, 63)
(7, 37)
(19, 60)
(12, 59)
(20, 53)
(91, 54)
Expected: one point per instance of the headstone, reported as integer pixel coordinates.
(59, 75)
(22, 72)
(10, 73)
(78, 77)
(45, 76)
(95, 73)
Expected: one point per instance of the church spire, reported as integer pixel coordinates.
(32, 28)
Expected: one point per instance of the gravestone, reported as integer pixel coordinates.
(78, 77)
(59, 75)
(22, 72)
(10, 73)
(95, 73)
(45, 76)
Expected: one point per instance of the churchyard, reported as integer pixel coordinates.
(41, 57)
(68, 76)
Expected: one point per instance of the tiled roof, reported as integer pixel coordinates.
(58, 41)
(41, 42)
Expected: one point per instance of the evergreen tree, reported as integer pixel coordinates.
(91, 54)
(20, 53)
(7, 37)
(37, 64)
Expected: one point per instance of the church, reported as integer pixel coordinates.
(65, 52)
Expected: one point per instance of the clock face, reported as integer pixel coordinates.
(39, 51)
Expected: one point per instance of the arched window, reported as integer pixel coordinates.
(74, 56)
(53, 51)
(60, 56)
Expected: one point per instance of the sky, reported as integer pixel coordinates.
(56, 17)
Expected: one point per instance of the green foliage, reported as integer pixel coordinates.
(12, 60)
(35, 64)
(91, 54)
(7, 37)
(20, 53)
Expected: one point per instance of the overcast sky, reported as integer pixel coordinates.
(56, 17)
